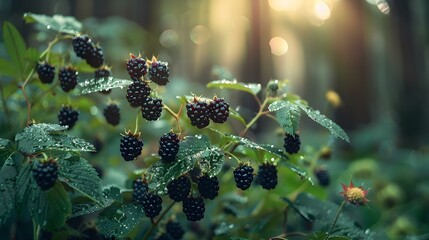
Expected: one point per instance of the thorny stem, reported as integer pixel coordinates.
(335, 220)
(155, 223)
(176, 116)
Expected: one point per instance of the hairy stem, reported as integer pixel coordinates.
(335, 220)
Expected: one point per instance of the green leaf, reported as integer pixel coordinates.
(8, 69)
(32, 55)
(8, 176)
(287, 114)
(323, 235)
(321, 119)
(23, 183)
(118, 219)
(211, 161)
(101, 84)
(252, 88)
(6, 149)
(15, 45)
(237, 116)
(191, 149)
(43, 136)
(59, 23)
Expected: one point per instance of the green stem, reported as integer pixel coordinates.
(136, 127)
(35, 230)
(335, 220)
(176, 116)
(4, 102)
(154, 224)
(24, 92)
(257, 116)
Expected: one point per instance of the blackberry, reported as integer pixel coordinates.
(137, 93)
(45, 173)
(130, 147)
(103, 73)
(68, 116)
(68, 77)
(152, 205)
(243, 176)
(267, 176)
(219, 110)
(82, 45)
(98, 145)
(140, 189)
(95, 57)
(178, 189)
(208, 187)
(197, 112)
(152, 108)
(323, 177)
(168, 146)
(165, 236)
(174, 229)
(136, 67)
(112, 114)
(292, 143)
(159, 72)
(46, 72)
(193, 208)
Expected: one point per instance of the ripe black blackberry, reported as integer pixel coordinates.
(151, 108)
(137, 93)
(68, 77)
(140, 189)
(197, 112)
(152, 205)
(131, 146)
(292, 143)
(112, 114)
(322, 176)
(267, 176)
(95, 57)
(168, 146)
(159, 72)
(243, 176)
(174, 229)
(45, 173)
(103, 72)
(68, 117)
(193, 208)
(82, 45)
(178, 189)
(219, 110)
(208, 187)
(46, 72)
(136, 67)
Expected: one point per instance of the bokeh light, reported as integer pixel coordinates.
(278, 46)
(169, 38)
(322, 10)
(383, 6)
(200, 34)
(280, 5)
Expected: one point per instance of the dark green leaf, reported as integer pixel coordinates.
(8, 176)
(211, 161)
(323, 235)
(42, 137)
(59, 23)
(287, 114)
(6, 149)
(101, 84)
(15, 45)
(8, 69)
(23, 182)
(252, 88)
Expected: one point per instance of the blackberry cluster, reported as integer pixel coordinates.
(140, 189)
(46, 72)
(151, 108)
(243, 176)
(159, 72)
(208, 187)
(131, 147)
(45, 174)
(179, 189)
(292, 143)
(168, 146)
(219, 110)
(322, 176)
(112, 114)
(174, 229)
(85, 48)
(68, 116)
(68, 77)
(137, 93)
(136, 67)
(197, 112)
(95, 58)
(152, 205)
(193, 208)
(267, 176)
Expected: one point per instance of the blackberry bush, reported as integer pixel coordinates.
(68, 117)
(68, 77)
(179, 189)
(46, 72)
(45, 173)
(168, 146)
(131, 146)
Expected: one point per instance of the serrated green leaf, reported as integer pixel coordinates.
(59, 23)
(252, 88)
(43, 136)
(118, 219)
(287, 114)
(191, 149)
(8, 69)
(323, 235)
(8, 176)
(211, 161)
(321, 119)
(23, 183)
(15, 45)
(101, 84)
(6, 149)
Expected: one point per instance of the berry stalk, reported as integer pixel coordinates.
(335, 220)
(154, 224)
